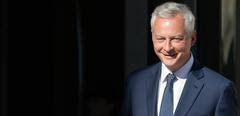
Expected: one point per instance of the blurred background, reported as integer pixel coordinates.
(71, 58)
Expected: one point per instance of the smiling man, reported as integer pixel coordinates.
(178, 85)
(171, 42)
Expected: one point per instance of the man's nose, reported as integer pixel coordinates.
(168, 46)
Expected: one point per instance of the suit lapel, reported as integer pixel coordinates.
(191, 90)
(152, 90)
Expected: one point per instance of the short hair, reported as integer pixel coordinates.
(172, 9)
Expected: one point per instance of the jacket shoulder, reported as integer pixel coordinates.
(214, 78)
(144, 73)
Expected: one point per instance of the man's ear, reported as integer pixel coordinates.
(193, 38)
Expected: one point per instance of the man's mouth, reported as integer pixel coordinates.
(170, 55)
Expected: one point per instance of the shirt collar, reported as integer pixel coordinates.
(180, 73)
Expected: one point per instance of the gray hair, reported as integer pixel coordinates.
(172, 9)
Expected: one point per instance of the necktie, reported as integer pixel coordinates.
(167, 101)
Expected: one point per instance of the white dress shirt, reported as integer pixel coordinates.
(178, 85)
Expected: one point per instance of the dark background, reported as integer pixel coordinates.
(71, 58)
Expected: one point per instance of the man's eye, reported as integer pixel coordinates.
(178, 38)
(160, 39)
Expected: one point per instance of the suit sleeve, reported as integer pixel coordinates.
(227, 105)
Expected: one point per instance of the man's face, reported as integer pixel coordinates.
(170, 41)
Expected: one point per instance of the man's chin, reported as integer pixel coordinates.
(169, 64)
(169, 60)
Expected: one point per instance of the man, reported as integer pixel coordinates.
(178, 85)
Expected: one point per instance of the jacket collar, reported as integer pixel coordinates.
(191, 90)
(152, 89)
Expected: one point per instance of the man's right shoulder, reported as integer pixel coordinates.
(144, 73)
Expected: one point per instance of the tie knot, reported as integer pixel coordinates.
(170, 78)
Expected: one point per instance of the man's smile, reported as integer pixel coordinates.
(173, 55)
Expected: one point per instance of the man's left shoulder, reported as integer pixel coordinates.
(213, 77)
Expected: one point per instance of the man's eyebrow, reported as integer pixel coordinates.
(178, 36)
(159, 36)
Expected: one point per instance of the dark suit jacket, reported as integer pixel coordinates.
(206, 93)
